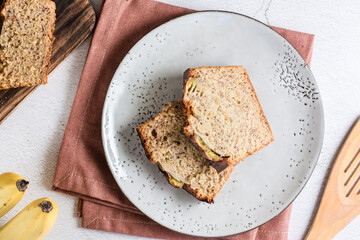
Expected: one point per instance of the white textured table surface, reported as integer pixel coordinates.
(30, 138)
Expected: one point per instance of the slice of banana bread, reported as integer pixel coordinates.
(224, 117)
(182, 164)
(25, 42)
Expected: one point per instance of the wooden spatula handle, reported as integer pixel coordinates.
(330, 220)
(337, 208)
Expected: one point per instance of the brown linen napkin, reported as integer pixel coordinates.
(82, 169)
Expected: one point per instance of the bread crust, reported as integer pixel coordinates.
(188, 112)
(51, 36)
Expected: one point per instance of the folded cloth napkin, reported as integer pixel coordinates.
(82, 169)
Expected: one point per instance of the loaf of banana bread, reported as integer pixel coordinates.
(25, 42)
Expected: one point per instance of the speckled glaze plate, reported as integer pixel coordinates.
(150, 76)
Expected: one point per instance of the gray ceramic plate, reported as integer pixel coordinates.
(150, 76)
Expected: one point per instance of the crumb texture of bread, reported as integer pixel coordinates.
(25, 42)
(167, 145)
(225, 119)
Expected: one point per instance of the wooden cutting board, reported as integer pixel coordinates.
(75, 19)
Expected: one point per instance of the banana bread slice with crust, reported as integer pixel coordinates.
(26, 38)
(182, 164)
(224, 117)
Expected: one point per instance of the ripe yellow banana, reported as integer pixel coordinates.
(12, 189)
(33, 222)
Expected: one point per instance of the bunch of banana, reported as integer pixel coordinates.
(34, 221)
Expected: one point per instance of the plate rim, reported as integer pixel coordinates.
(322, 122)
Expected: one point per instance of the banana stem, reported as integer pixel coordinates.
(46, 206)
(22, 185)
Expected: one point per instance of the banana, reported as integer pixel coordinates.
(33, 222)
(12, 189)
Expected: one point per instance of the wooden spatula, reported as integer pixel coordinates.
(340, 203)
